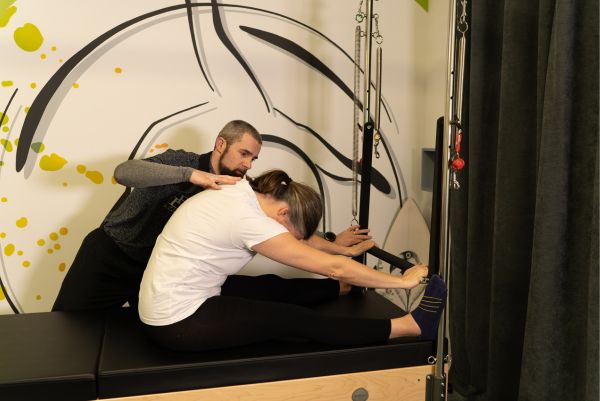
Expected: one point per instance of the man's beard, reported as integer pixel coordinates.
(225, 171)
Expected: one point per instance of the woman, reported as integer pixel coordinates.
(190, 298)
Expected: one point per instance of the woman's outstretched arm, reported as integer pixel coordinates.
(286, 249)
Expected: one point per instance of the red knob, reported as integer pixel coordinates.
(458, 163)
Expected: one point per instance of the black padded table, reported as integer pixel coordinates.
(131, 365)
(49, 356)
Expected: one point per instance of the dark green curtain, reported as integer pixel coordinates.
(524, 281)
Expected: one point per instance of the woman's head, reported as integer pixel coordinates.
(304, 203)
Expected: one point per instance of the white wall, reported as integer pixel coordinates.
(96, 125)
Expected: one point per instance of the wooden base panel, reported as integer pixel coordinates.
(407, 384)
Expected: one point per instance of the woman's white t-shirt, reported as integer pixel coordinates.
(208, 238)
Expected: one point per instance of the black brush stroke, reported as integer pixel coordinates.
(302, 54)
(10, 302)
(218, 23)
(188, 4)
(377, 179)
(40, 103)
(333, 176)
(8, 105)
(314, 62)
(303, 156)
(6, 296)
(139, 143)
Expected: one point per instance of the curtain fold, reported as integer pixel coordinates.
(524, 289)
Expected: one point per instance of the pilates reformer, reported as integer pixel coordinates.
(82, 356)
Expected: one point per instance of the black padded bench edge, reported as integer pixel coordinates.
(131, 365)
(50, 356)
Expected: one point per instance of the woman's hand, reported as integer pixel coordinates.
(412, 277)
(352, 236)
(212, 181)
(360, 248)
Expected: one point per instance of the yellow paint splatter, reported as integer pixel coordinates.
(53, 48)
(95, 176)
(4, 199)
(2, 235)
(6, 11)
(43, 56)
(112, 179)
(22, 222)
(4, 120)
(37, 147)
(52, 163)
(7, 83)
(26, 263)
(5, 129)
(20, 253)
(1, 163)
(75, 85)
(2, 296)
(33, 85)
(65, 184)
(57, 247)
(118, 70)
(81, 168)
(63, 231)
(38, 297)
(60, 60)
(7, 145)
(9, 249)
(41, 242)
(53, 236)
(28, 37)
(26, 109)
(16, 141)
(62, 267)
(50, 251)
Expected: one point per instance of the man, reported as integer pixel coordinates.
(109, 265)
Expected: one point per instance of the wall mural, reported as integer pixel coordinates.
(85, 87)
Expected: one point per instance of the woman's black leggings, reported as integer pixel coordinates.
(253, 309)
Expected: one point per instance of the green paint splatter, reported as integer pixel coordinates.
(52, 163)
(6, 11)
(28, 37)
(7, 83)
(37, 147)
(7, 145)
(424, 4)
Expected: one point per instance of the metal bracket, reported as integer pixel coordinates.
(435, 389)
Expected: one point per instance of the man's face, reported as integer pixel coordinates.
(237, 158)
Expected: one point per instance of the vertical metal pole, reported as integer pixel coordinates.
(378, 68)
(437, 388)
(368, 43)
(367, 149)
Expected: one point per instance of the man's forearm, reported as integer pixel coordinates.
(142, 173)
